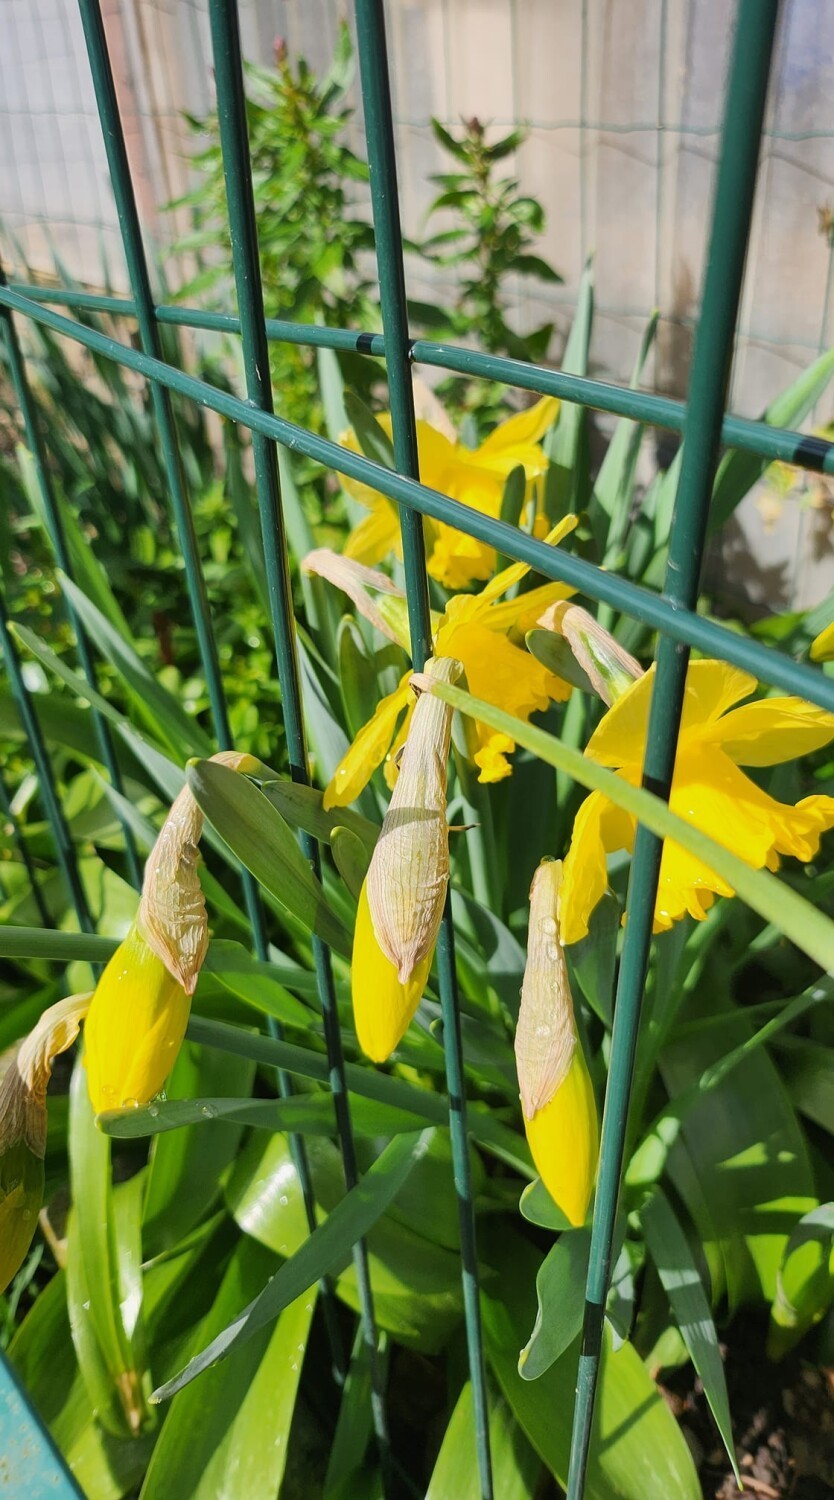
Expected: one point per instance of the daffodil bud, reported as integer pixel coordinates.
(23, 1127)
(409, 870)
(557, 1094)
(140, 1008)
(608, 667)
(822, 647)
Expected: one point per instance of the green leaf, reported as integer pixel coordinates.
(416, 1281)
(773, 899)
(553, 652)
(613, 491)
(302, 806)
(512, 501)
(516, 1470)
(254, 830)
(564, 445)
(638, 1451)
(805, 1283)
(332, 394)
(669, 1249)
(160, 708)
(371, 437)
(87, 570)
(352, 858)
(229, 1435)
(326, 1252)
(185, 1169)
(739, 469)
(560, 1287)
(307, 1114)
(104, 1282)
(592, 962)
(537, 1207)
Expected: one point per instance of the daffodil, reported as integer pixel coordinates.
(140, 1008)
(557, 1095)
(822, 648)
(709, 790)
(402, 897)
(474, 476)
(480, 631)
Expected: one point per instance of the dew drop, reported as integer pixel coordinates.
(283, 1200)
(549, 926)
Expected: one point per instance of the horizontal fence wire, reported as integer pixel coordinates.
(659, 613)
(702, 420)
(782, 444)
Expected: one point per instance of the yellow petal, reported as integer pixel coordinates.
(457, 559)
(382, 1007)
(772, 730)
(134, 1027)
(711, 688)
(364, 493)
(516, 571)
(564, 1142)
(822, 649)
(712, 794)
(376, 535)
(358, 764)
(523, 612)
(600, 828)
(522, 429)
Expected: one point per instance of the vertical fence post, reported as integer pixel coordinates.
(64, 847)
(34, 439)
(735, 187)
(231, 107)
(376, 94)
(137, 268)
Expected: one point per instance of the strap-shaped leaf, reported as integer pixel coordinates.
(325, 1253)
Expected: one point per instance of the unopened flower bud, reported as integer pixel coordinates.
(23, 1127)
(607, 665)
(409, 870)
(402, 898)
(557, 1094)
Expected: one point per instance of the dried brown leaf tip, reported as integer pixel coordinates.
(545, 1038)
(28, 1069)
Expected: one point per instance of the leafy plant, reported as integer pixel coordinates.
(311, 231)
(494, 229)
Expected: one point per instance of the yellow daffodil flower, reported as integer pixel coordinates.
(475, 476)
(557, 1095)
(476, 630)
(709, 791)
(141, 1003)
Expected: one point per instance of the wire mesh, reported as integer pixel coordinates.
(704, 423)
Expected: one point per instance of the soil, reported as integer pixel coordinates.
(783, 1420)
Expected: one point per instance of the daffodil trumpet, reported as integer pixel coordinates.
(403, 895)
(557, 1095)
(23, 1121)
(718, 736)
(474, 476)
(140, 1009)
(483, 631)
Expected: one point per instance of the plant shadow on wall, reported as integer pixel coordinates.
(172, 1256)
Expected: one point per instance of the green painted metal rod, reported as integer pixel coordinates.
(34, 438)
(746, 98)
(653, 610)
(379, 132)
(64, 847)
(231, 107)
(137, 268)
(771, 443)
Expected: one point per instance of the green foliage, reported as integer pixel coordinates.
(311, 231)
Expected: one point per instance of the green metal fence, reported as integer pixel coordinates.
(702, 421)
